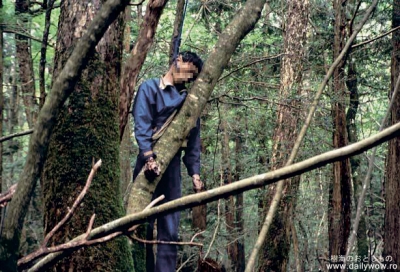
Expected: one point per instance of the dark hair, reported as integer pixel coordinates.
(188, 56)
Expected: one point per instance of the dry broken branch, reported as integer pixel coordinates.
(236, 187)
(85, 238)
(43, 250)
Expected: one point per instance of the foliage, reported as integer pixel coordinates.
(251, 93)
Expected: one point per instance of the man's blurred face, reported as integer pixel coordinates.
(184, 71)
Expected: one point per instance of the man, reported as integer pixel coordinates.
(154, 107)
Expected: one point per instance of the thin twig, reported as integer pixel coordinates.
(8, 137)
(376, 38)
(249, 64)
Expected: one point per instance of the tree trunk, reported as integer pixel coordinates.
(168, 145)
(86, 131)
(137, 58)
(340, 188)
(392, 184)
(43, 51)
(61, 89)
(352, 86)
(274, 255)
(232, 246)
(241, 262)
(23, 52)
(1, 106)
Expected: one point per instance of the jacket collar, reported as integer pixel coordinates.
(164, 84)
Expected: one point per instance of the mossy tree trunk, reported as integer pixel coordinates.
(392, 184)
(86, 131)
(340, 187)
(274, 255)
(62, 87)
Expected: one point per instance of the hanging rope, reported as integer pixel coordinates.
(177, 39)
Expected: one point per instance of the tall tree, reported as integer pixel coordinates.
(241, 262)
(25, 63)
(340, 187)
(227, 177)
(87, 130)
(38, 145)
(392, 183)
(275, 252)
(1, 102)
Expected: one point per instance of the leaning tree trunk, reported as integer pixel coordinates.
(392, 184)
(274, 255)
(86, 131)
(340, 188)
(167, 146)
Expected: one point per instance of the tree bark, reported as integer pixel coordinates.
(61, 89)
(87, 130)
(43, 51)
(275, 252)
(340, 188)
(241, 263)
(134, 64)
(232, 245)
(25, 63)
(1, 105)
(392, 183)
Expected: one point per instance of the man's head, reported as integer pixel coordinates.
(186, 67)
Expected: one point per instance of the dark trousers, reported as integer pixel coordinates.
(167, 225)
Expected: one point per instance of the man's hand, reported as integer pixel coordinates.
(151, 169)
(197, 183)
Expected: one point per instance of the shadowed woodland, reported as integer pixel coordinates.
(300, 140)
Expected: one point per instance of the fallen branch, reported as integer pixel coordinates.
(237, 187)
(43, 250)
(85, 238)
(7, 196)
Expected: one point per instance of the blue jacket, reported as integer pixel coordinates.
(151, 108)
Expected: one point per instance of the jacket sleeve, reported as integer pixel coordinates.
(192, 151)
(143, 117)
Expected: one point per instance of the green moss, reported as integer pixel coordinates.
(87, 130)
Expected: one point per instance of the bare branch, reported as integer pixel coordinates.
(43, 249)
(257, 181)
(134, 237)
(9, 137)
(376, 38)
